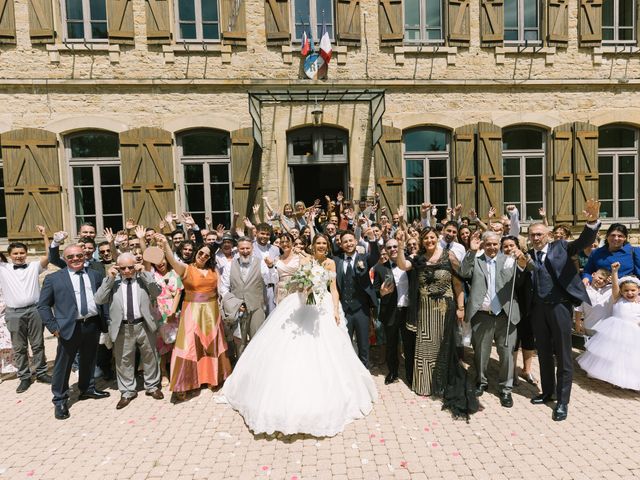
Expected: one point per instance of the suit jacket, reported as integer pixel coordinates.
(389, 302)
(474, 268)
(562, 268)
(362, 263)
(110, 294)
(252, 291)
(57, 305)
(54, 258)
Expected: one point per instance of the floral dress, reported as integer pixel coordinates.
(171, 284)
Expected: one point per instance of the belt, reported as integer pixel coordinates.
(133, 322)
(491, 314)
(271, 285)
(15, 309)
(86, 319)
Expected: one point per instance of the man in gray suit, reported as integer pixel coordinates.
(130, 293)
(492, 275)
(243, 291)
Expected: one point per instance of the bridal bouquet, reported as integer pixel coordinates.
(308, 278)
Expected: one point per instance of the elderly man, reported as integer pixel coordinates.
(130, 292)
(492, 275)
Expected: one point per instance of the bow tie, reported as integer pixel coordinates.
(18, 267)
(245, 264)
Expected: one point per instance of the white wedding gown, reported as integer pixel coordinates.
(300, 373)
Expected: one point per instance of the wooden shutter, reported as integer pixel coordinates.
(491, 22)
(464, 164)
(41, 29)
(585, 157)
(388, 167)
(31, 182)
(459, 22)
(120, 21)
(563, 180)
(590, 23)
(348, 16)
(158, 22)
(7, 22)
(233, 22)
(558, 22)
(147, 174)
(390, 22)
(276, 18)
(245, 171)
(489, 155)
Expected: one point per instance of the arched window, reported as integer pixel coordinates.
(94, 161)
(523, 164)
(205, 161)
(617, 167)
(427, 169)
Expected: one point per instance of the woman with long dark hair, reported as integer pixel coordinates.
(616, 249)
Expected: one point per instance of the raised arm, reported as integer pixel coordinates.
(514, 220)
(44, 259)
(615, 281)
(401, 261)
(177, 265)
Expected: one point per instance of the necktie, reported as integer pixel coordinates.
(447, 246)
(18, 267)
(348, 284)
(495, 306)
(393, 265)
(130, 315)
(539, 255)
(84, 309)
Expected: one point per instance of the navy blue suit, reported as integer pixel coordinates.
(357, 308)
(58, 309)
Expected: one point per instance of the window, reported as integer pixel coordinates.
(523, 159)
(86, 20)
(206, 175)
(423, 21)
(618, 21)
(315, 145)
(309, 16)
(198, 20)
(427, 160)
(95, 178)
(522, 21)
(617, 167)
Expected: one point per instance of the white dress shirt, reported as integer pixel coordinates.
(457, 249)
(269, 275)
(135, 290)
(92, 309)
(402, 286)
(21, 287)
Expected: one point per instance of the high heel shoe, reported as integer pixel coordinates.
(530, 378)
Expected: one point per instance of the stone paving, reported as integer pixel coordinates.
(405, 437)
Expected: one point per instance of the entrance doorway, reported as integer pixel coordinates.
(310, 182)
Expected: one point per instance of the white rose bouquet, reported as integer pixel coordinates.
(311, 278)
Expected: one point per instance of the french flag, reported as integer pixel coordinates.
(306, 45)
(325, 45)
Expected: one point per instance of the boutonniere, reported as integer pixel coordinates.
(360, 265)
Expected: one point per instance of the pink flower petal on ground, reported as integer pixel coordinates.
(412, 402)
(373, 435)
(30, 473)
(152, 418)
(426, 429)
(434, 444)
(456, 454)
(434, 424)
(131, 422)
(265, 468)
(382, 440)
(19, 401)
(403, 464)
(294, 477)
(514, 434)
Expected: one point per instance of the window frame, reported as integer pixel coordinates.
(315, 23)
(521, 25)
(86, 23)
(616, 25)
(95, 163)
(616, 153)
(198, 22)
(423, 25)
(318, 157)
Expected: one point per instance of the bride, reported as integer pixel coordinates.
(300, 373)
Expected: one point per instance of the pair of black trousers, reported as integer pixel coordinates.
(358, 323)
(396, 328)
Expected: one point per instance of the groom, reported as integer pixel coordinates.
(357, 294)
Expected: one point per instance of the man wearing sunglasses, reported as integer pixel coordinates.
(69, 311)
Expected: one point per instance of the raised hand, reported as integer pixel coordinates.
(615, 266)
(457, 209)
(161, 240)
(121, 237)
(113, 271)
(220, 230)
(475, 241)
(492, 212)
(424, 209)
(473, 215)
(400, 212)
(129, 224)
(340, 196)
(60, 237)
(542, 212)
(188, 220)
(255, 209)
(108, 235)
(162, 224)
(41, 230)
(207, 221)
(140, 230)
(592, 210)
(168, 218)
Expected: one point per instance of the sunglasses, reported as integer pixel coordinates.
(77, 255)
(203, 255)
(132, 267)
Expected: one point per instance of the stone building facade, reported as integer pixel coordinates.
(111, 109)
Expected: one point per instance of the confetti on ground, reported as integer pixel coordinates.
(403, 464)
(131, 422)
(30, 473)
(514, 434)
(434, 444)
(373, 435)
(390, 467)
(354, 446)
(427, 429)
(294, 477)
(456, 454)
(153, 418)
(265, 468)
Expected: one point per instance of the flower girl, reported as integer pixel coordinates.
(613, 353)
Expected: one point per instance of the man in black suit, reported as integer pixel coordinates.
(357, 294)
(556, 288)
(392, 285)
(69, 311)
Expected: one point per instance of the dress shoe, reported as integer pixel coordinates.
(124, 401)
(541, 399)
(390, 378)
(23, 386)
(44, 378)
(506, 400)
(61, 412)
(560, 412)
(530, 378)
(480, 389)
(94, 394)
(155, 394)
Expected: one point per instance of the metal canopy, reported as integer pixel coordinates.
(375, 97)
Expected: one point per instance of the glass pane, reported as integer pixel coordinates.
(511, 14)
(113, 222)
(75, 30)
(625, 34)
(616, 137)
(625, 13)
(605, 187)
(302, 144)
(522, 139)
(84, 201)
(531, 35)
(110, 176)
(210, 31)
(607, 13)
(424, 140)
(82, 176)
(324, 12)
(302, 17)
(415, 192)
(607, 33)
(412, 15)
(188, 31)
(626, 186)
(205, 143)
(433, 13)
(223, 218)
(87, 218)
(626, 163)
(438, 191)
(198, 217)
(532, 210)
(219, 173)
(111, 200)
(626, 208)
(438, 168)
(511, 166)
(193, 173)
(98, 9)
(74, 9)
(534, 189)
(98, 30)
(415, 168)
(434, 34)
(209, 10)
(533, 166)
(94, 144)
(605, 164)
(186, 10)
(530, 13)
(511, 35)
(194, 197)
(511, 190)
(220, 197)
(332, 146)
(3, 228)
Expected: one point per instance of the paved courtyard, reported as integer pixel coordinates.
(404, 437)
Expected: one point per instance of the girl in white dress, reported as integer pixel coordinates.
(613, 353)
(300, 373)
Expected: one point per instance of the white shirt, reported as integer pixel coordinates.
(457, 249)
(402, 286)
(222, 262)
(21, 287)
(269, 276)
(600, 308)
(544, 251)
(491, 270)
(135, 288)
(263, 251)
(92, 309)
